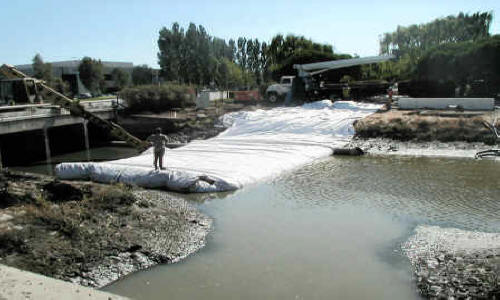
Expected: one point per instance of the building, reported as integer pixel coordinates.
(68, 71)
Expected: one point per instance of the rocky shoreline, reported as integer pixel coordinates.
(385, 146)
(450, 263)
(447, 263)
(93, 234)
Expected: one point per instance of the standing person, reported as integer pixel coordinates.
(159, 142)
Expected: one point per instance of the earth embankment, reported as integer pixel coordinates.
(443, 126)
(92, 234)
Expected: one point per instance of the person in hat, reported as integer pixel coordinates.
(159, 141)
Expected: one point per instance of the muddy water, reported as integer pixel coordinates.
(329, 230)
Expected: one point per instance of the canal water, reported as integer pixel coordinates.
(104, 153)
(331, 229)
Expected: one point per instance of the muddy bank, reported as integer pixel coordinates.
(425, 126)
(92, 234)
(187, 124)
(449, 263)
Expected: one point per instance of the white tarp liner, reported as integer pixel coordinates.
(257, 145)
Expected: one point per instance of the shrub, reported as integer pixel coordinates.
(157, 98)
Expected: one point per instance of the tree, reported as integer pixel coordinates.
(264, 62)
(462, 63)
(61, 86)
(415, 39)
(231, 75)
(172, 53)
(120, 77)
(411, 42)
(195, 57)
(91, 74)
(142, 75)
(231, 50)
(42, 70)
(241, 54)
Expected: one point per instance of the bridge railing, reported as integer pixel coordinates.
(31, 111)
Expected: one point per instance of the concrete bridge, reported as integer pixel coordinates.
(34, 117)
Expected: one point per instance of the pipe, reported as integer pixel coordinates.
(356, 151)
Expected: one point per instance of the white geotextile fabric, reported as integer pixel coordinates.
(257, 145)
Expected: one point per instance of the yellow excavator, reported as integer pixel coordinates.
(37, 89)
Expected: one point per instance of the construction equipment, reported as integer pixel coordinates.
(306, 82)
(306, 70)
(39, 90)
(490, 152)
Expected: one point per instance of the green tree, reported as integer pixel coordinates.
(282, 48)
(142, 75)
(241, 54)
(42, 70)
(231, 75)
(193, 56)
(411, 42)
(264, 62)
(120, 77)
(415, 39)
(462, 63)
(231, 50)
(91, 74)
(61, 86)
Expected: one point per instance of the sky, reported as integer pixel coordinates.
(127, 30)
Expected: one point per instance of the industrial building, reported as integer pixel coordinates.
(68, 71)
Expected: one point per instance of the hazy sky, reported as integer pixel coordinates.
(127, 30)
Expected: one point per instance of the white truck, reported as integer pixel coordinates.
(278, 91)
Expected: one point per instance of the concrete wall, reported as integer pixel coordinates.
(18, 284)
(447, 103)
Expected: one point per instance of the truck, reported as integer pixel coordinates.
(276, 92)
(307, 81)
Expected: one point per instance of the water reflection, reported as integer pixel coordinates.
(460, 193)
(94, 154)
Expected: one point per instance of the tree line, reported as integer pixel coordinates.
(415, 39)
(410, 43)
(193, 56)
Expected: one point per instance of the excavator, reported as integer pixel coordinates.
(33, 89)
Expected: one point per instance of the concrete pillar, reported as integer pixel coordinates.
(47, 149)
(86, 137)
